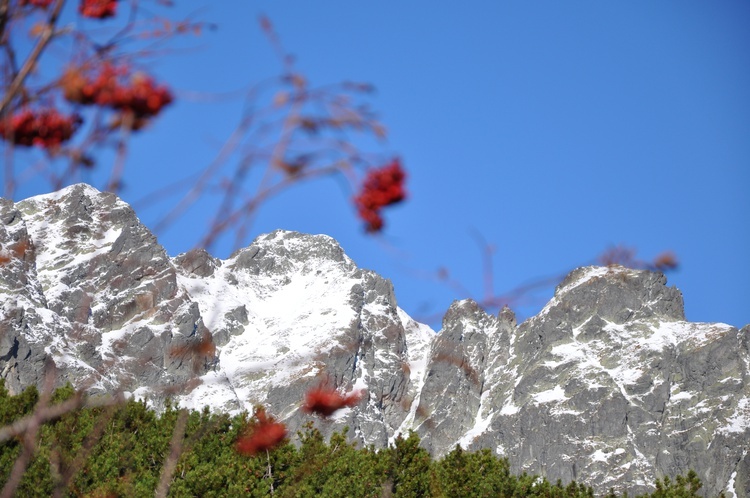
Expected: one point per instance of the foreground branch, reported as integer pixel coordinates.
(31, 61)
(50, 413)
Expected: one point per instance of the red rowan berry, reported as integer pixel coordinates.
(266, 434)
(665, 261)
(45, 128)
(382, 187)
(98, 9)
(325, 402)
(139, 96)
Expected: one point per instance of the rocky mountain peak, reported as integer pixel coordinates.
(617, 294)
(281, 251)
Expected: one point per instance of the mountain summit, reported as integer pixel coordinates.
(607, 385)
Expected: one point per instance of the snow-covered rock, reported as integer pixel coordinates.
(608, 384)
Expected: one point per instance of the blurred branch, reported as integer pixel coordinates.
(44, 38)
(175, 449)
(50, 413)
(492, 302)
(4, 16)
(249, 207)
(28, 440)
(83, 454)
(126, 127)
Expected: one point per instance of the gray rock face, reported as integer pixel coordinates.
(456, 371)
(608, 384)
(22, 354)
(95, 293)
(291, 312)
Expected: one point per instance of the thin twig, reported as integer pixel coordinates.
(226, 151)
(30, 435)
(23, 460)
(4, 16)
(218, 228)
(50, 413)
(269, 472)
(175, 449)
(115, 180)
(9, 170)
(87, 447)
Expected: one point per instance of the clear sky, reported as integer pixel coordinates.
(553, 129)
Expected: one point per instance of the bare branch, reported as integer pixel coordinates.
(44, 38)
(220, 226)
(115, 180)
(4, 15)
(87, 447)
(50, 413)
(175, 449)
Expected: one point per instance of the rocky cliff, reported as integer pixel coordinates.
(607, 384)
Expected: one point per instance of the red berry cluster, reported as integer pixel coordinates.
(665, 261)
(140, 95)
(45, 128)
(382, 187)
(143, 97)
(624, 256)
(40, 4)
(265, 435)
(325, 402)
(98, 9)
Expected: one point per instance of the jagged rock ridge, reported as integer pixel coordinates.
(607, 384)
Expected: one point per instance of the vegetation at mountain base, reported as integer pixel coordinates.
(120, 450)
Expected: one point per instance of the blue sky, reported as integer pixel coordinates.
(553, 129)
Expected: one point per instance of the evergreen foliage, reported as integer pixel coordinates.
(121, 450)
(409, 467)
